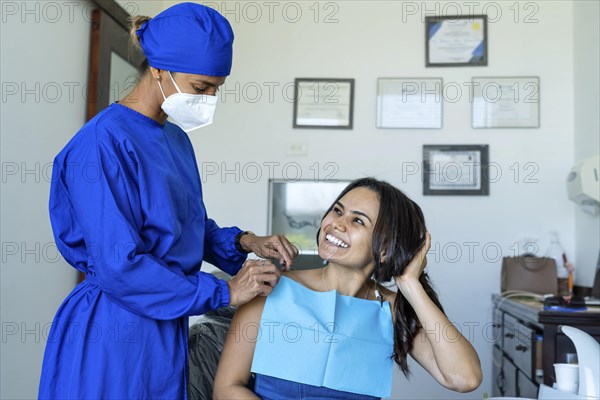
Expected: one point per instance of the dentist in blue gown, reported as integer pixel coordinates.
(126, 209)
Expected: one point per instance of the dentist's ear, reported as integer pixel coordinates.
(156, 73)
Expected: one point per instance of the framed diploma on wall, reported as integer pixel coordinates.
(454, 41)
(405, 103)
(456, 170)
(323, 103)
(505, 102)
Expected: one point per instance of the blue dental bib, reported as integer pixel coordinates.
(326, 339)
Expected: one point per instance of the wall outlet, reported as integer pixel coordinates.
(297, 149)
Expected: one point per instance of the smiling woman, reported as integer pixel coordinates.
(340, 339)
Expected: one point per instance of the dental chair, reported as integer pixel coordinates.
(206, 339)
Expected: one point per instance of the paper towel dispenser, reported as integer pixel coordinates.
(583, 185)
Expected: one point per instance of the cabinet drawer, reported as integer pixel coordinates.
(517, 342)
(497, 375)
(497, 327)
(508, 331)
(509, 373)
(526, 387)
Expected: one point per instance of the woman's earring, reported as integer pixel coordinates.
(325, 262)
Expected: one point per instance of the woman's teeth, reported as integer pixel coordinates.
(336, 241)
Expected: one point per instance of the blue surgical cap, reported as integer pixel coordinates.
(189, 38)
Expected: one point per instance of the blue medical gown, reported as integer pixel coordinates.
(126, 209)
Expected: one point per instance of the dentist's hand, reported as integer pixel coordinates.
(275, 247)
(256, 278)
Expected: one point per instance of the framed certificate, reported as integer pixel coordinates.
(323, 103)
(452, 170)
(507, 102)
(453, 41)
(409, 103)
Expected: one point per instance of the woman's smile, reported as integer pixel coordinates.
(336, 241)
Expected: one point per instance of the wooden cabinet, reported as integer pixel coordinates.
(528, 342)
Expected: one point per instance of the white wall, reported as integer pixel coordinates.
(371, 40)
(45, 57)
(586, 16)
(147, 8)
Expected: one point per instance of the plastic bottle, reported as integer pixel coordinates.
(556, 252)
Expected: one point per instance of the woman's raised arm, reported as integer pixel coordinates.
(438, 347)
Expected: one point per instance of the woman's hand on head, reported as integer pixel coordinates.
(415, 267)
(256, 278)
(276, 247)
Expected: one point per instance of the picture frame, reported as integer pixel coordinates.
(409, 103)
(323, 103)
(505, 102)
(456, 170)
(456, 41)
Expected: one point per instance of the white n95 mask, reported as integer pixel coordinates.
(189, 111)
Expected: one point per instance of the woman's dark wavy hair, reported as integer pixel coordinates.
(399, 233)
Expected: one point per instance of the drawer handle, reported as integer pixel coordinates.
(509, 335)
(521, 348)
